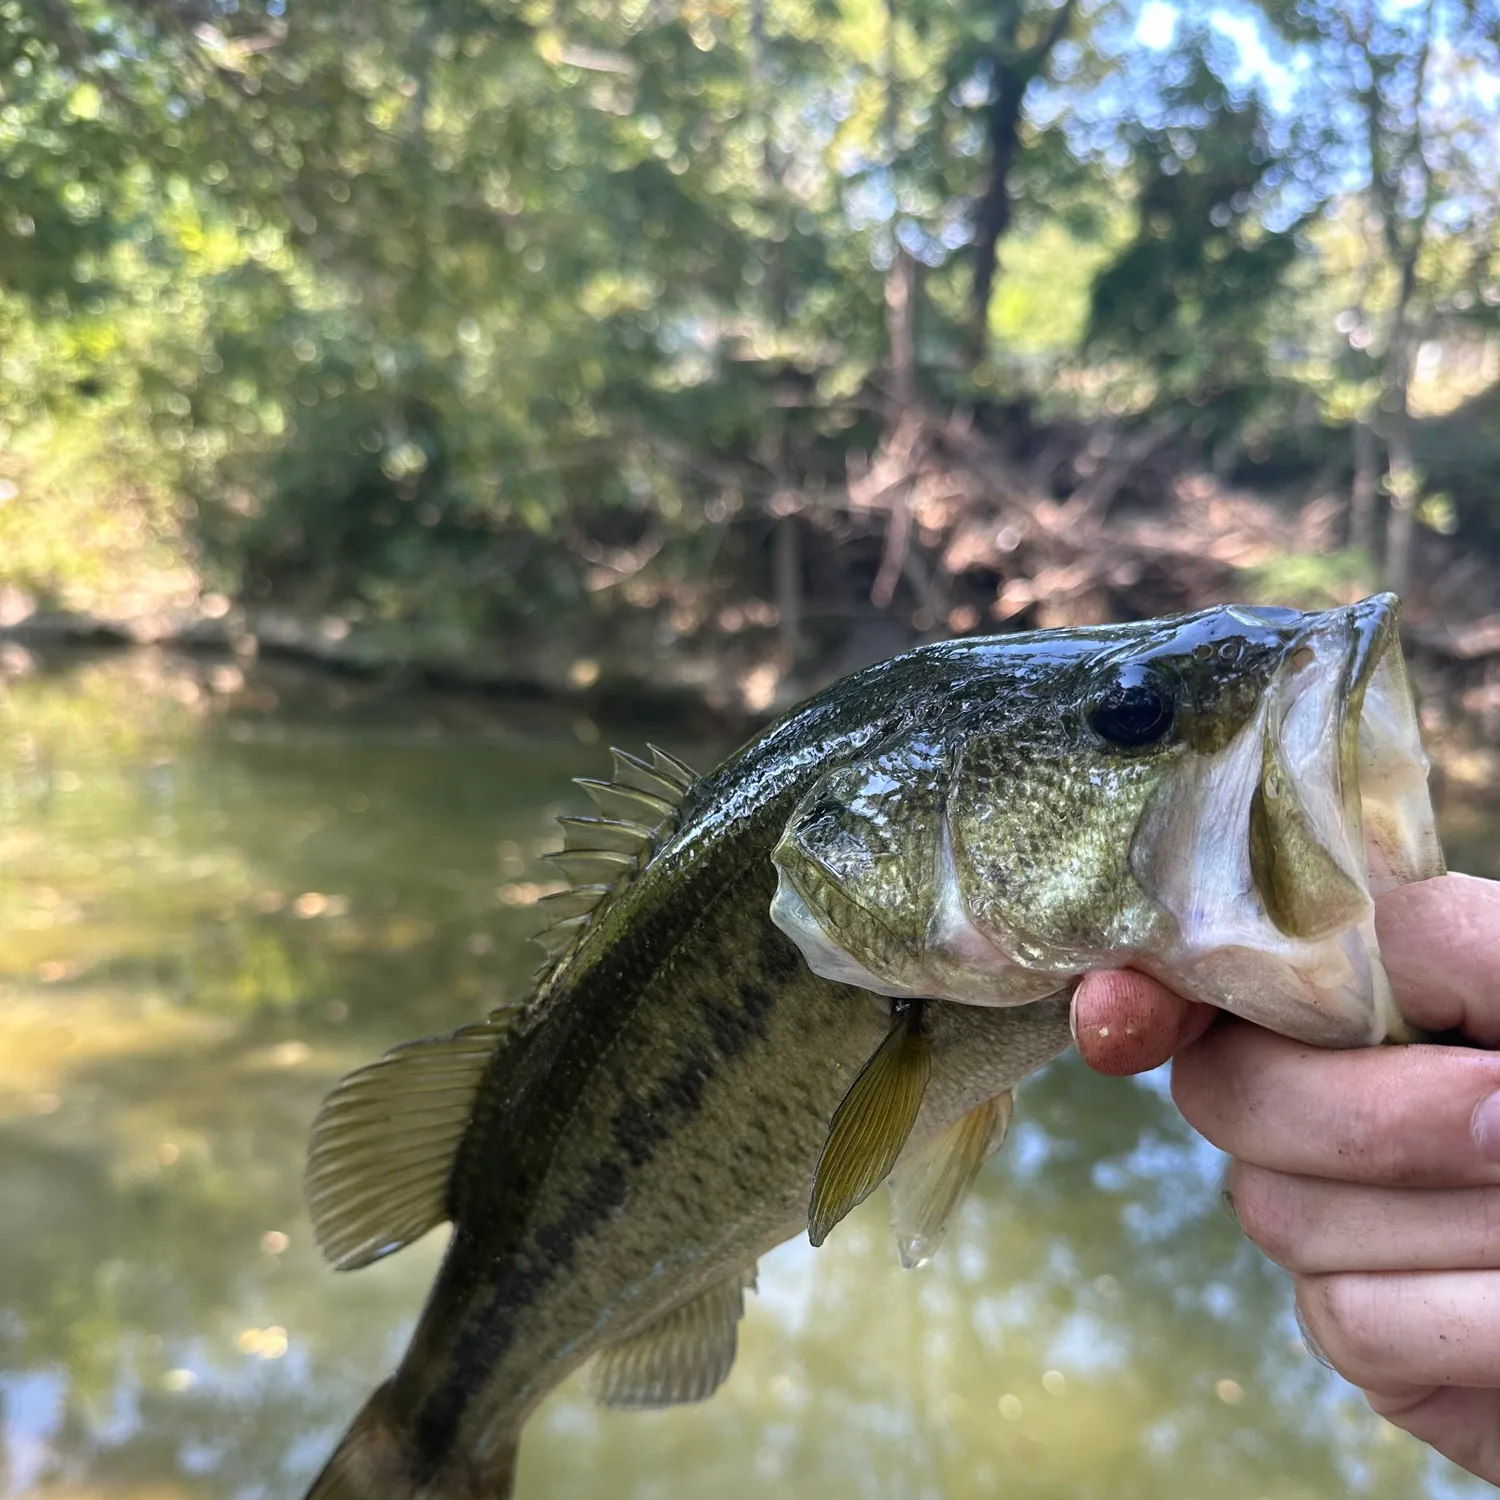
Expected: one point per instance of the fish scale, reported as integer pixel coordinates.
(1069, 853)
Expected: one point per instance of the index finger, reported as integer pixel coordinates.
(1398, 1116)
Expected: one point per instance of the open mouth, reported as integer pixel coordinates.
(1341, 812)
(1269, 856)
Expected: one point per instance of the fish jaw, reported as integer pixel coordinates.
(1400, 833)
(1269, 855)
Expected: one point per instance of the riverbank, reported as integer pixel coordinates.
(221, 654)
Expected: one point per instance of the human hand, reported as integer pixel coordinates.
(1373, 1176)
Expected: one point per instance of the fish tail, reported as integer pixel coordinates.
(374, 1462)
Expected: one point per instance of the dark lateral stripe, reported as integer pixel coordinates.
(490, 1335)
(731, 1025)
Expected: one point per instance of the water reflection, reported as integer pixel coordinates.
(217, 895)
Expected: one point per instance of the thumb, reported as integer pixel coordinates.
(1124, 1022)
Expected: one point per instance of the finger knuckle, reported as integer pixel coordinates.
(1413, 1112)
(1266, 1204)
(1350, 1319)
(1384, 1153)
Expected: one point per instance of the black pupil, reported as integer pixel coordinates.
(1134, 709)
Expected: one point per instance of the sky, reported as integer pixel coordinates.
(1156, 28)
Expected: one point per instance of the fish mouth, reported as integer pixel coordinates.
(1269, 855)
(1341, 811)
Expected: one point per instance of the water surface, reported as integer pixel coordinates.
(218, 895)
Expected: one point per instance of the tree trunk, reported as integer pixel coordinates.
(900, 309)
(1403, 482)
(901, 279)
(1363, 490)
(992, 212)
(1013, 73)
(1402, 479)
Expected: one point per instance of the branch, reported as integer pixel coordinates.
(1054, 34)
(1398, 358)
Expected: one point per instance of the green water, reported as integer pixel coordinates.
(216, 897)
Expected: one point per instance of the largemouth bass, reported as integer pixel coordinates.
(828, 963)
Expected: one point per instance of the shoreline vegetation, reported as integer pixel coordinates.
(699, 354)
(217, 649)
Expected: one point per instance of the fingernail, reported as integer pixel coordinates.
(1485, 1127)
(1311, 1344)
(1227, 1199)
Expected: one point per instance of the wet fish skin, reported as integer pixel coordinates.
(656, 1123)
(652, 1121)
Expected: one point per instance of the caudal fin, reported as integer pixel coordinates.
(373, 1462)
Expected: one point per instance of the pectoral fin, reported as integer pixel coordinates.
(685, 1356)
(871, 1125)
(930, 1186)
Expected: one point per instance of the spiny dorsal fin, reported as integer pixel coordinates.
(673, 769)
(683, 1356)
(643, 809)
(383, 1143)
(929, 1187)
(573, 902)
(600, 856)
(560, 936)
(594, 866)
(603, 833)
(632, 771)
(871, 1125)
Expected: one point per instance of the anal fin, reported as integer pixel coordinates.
(929, 1187)
(684, 1356)
(871, 1124)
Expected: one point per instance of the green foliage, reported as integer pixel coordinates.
(1189, 294)
(1313, 580)
(440, 312)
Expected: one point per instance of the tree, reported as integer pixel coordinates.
(1405, 94)
(1187, 297)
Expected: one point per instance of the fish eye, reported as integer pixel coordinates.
(1135, 708)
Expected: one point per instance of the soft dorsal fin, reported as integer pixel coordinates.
(871, 1124)
(383, 1143)
(929, 1187)
(683, 1356)
(601, 855)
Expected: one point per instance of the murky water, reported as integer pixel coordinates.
(216, 897)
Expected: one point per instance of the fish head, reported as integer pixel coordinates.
(1214, 799)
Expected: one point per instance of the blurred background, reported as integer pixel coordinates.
(400, 402)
